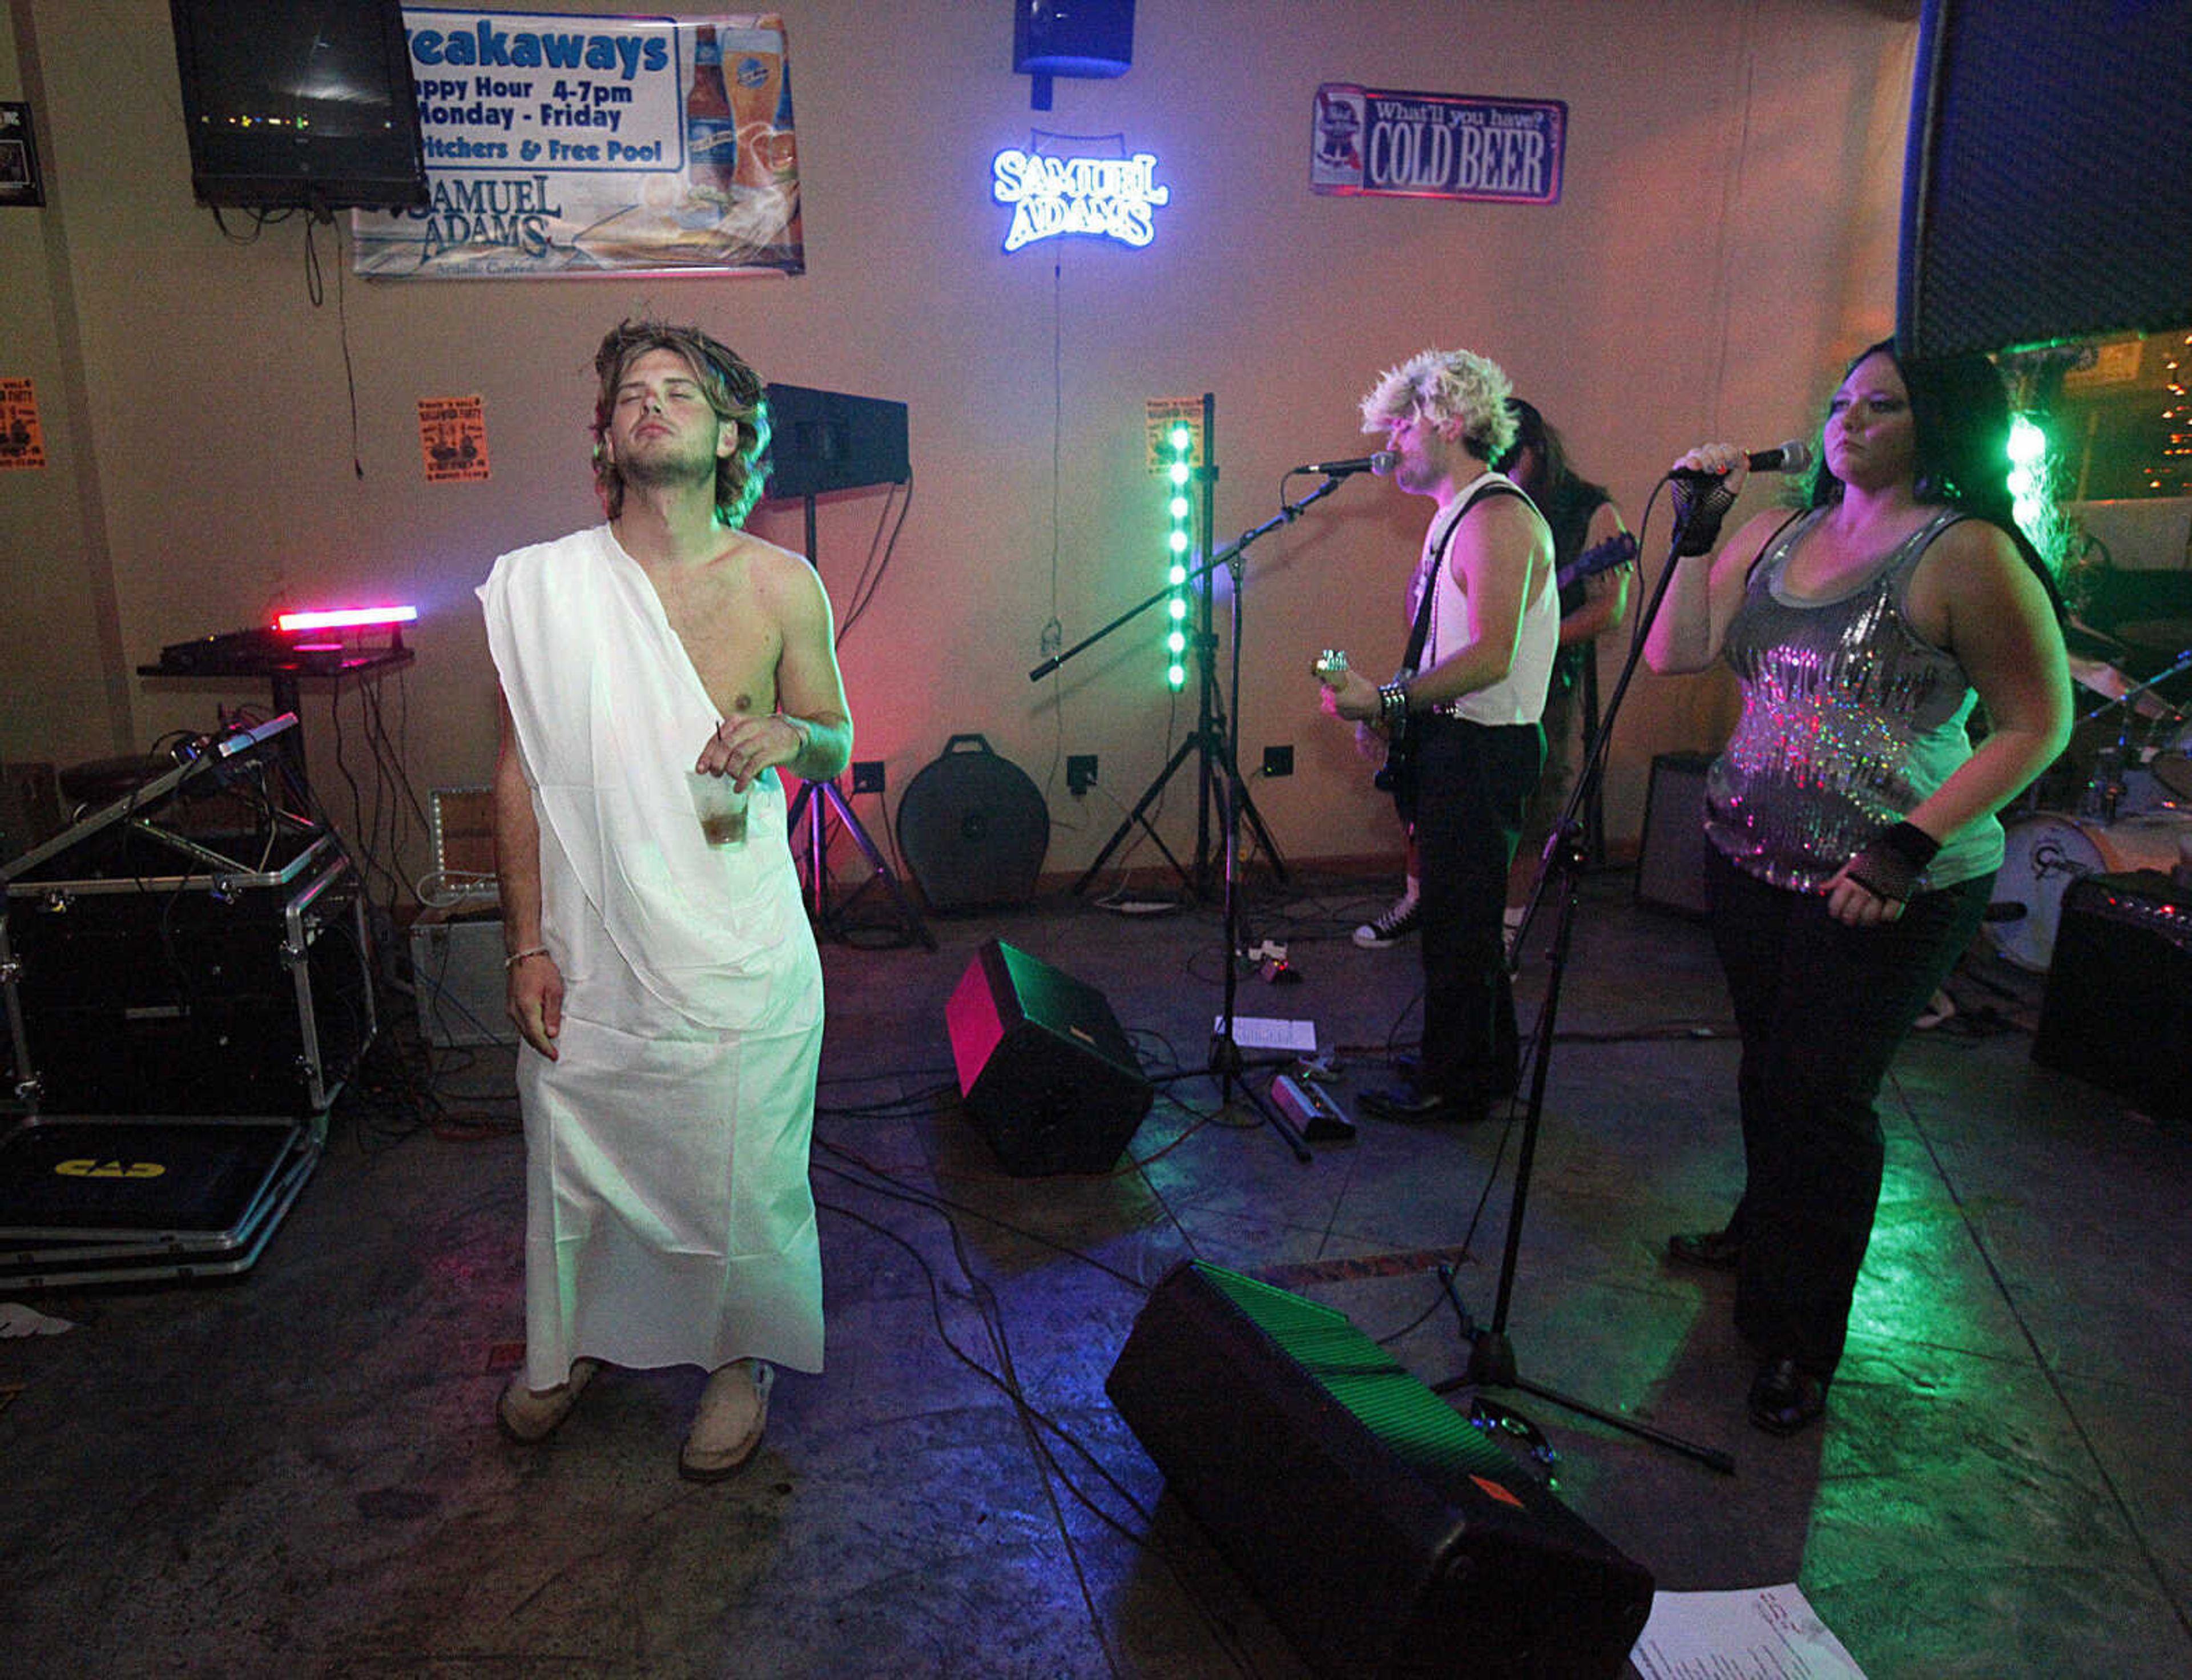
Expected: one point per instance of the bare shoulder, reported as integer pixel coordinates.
(1504, 519)
(1973, 560)
(778, 577)
(1976, 546)
(1741, 551)
(1972, 588)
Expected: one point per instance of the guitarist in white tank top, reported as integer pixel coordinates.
(1469, 716)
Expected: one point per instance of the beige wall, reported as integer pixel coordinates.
(1725, 237)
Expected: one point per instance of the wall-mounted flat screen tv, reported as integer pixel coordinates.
(300, 104)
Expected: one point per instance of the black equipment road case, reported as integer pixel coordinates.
(159, 959)
(102, 1200)
(187, 986)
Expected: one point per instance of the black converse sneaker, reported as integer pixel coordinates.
(1392, 926)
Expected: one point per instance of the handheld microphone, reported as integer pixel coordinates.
(1793, 456)
(1381, 463)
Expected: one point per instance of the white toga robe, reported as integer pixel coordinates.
(669, 1217)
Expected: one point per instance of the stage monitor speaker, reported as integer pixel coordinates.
(1670, 861)
(1387, 1536)
(821, 440)
(1048, 1076)
(973, 829)
(1073, 37)
(2118, 1009)
(2037, 201)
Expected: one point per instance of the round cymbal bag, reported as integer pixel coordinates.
(973, 829)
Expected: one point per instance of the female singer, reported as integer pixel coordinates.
(1851, 819)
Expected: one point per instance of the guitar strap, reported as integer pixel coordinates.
(1489, 485)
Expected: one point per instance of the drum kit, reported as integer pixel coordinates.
(2132, 811)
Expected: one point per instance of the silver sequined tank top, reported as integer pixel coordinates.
(1850, 719)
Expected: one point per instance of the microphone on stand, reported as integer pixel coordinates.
(1702, 498)
(1381, 463)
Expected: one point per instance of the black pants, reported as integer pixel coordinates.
(1473, 781)
(1822, 1008)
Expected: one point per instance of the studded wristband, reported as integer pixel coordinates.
(1393, 706)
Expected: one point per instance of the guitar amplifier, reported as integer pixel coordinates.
(458, 976)
(2118, 1009)
(1670, 860)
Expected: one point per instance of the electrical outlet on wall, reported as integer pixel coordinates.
(1080, 773)
(1278, 761)
(868, 776)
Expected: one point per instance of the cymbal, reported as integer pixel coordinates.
(2105, 680)
(2078, 634)
(2174, 634)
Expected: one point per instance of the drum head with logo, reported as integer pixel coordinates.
(2042, 854)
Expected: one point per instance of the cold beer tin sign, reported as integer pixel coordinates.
(1384, 143)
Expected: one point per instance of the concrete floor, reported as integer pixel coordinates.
(295, 1472)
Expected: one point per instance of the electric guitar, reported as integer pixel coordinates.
(1331, 667)
(1396, 774)
(1618, 549)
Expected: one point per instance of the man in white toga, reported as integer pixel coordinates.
(662, 977)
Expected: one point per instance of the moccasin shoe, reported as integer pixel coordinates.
(527, 1416)
(728, 1428)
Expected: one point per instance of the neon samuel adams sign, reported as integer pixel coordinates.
(1107, 197)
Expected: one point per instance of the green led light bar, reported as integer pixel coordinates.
(1177, 544)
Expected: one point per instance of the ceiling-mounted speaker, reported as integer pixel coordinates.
(2044, 196)
(1073, 37)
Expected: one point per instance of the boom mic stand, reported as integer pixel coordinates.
(1491, 1361)
(1227, 1064)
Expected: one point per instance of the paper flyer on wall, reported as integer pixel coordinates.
(566, 144)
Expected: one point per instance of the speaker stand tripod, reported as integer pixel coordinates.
(1492, 1362)
(816, 801)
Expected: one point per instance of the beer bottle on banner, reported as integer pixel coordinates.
(712, 143)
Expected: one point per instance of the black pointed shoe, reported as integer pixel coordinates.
(1407, 1107)
(1785, 1397)
(1716, 1250)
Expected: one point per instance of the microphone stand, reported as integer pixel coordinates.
(1212, 741)
(1226, 1062)
(1492, 1362)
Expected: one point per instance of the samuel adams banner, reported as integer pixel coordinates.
(559, 143)
(1388, 144)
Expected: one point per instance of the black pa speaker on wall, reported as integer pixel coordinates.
(821, 440)
(2045, 194)
(1048, 1076)
(1386, 1536)
(1073, 37)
